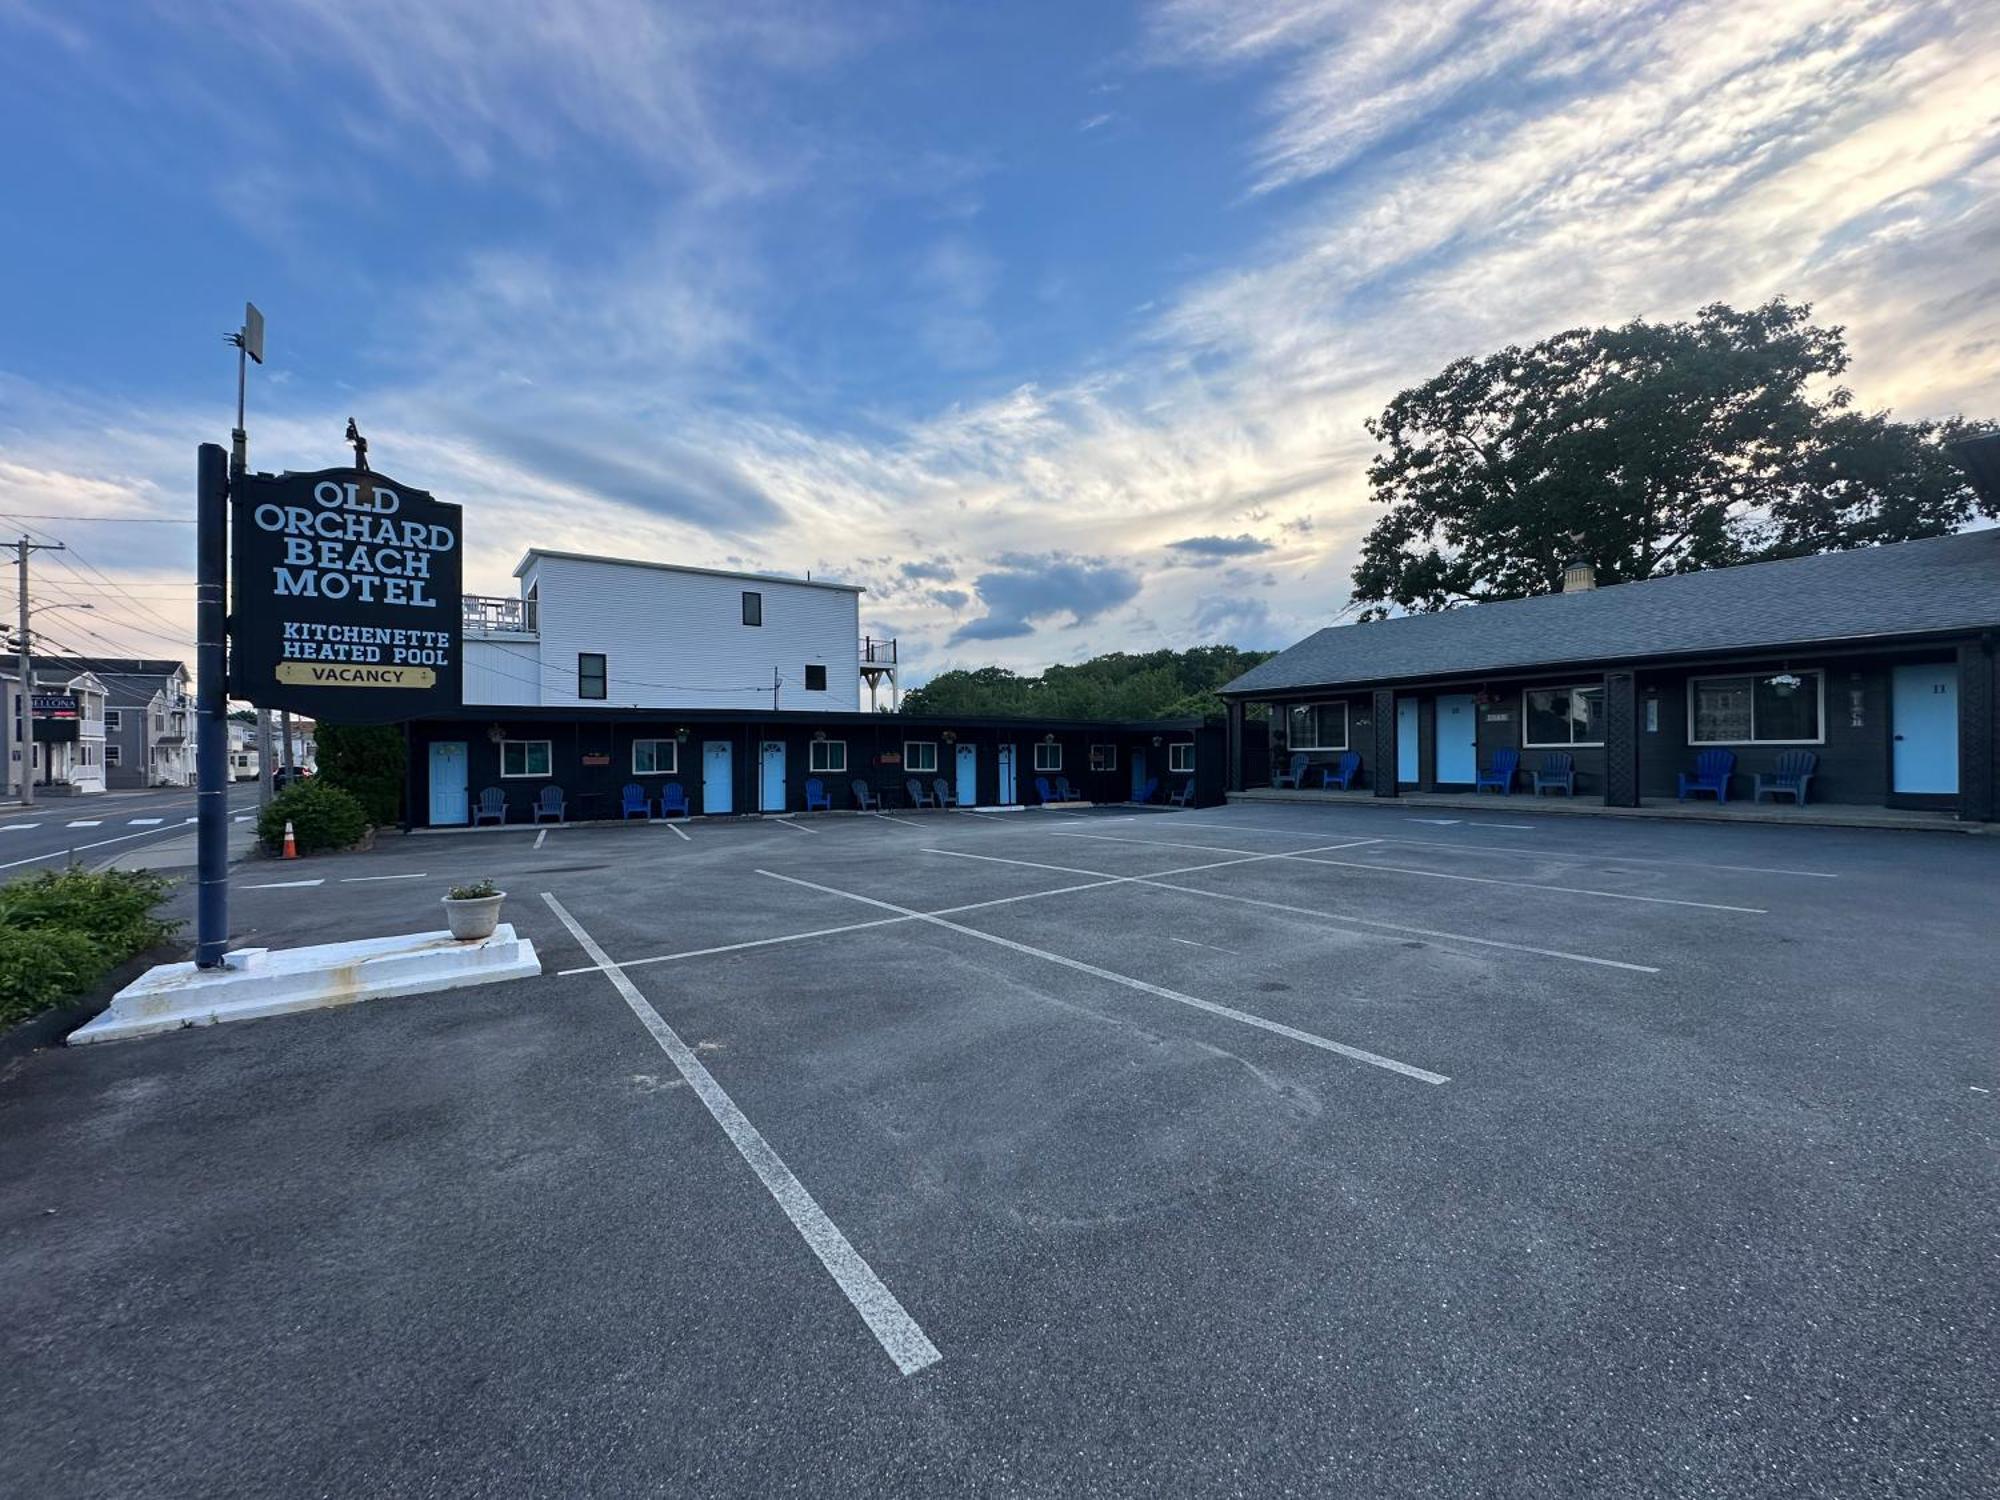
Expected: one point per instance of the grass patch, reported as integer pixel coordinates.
(62, 931)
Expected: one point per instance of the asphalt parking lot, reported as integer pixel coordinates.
(1257, 1151)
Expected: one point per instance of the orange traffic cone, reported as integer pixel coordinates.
(291, 844)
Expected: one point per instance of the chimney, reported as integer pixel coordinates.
(1578, 576)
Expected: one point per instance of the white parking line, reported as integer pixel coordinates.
(1227, 1012)
(365, 879)
(143, 822)
(20, 827)
(243, 817)
(85, 823)
(890, 818)
(1518, 851)
(285, 885)
(679, 832)
(1305, 857)
(33, 859)
(894, 1329)
(541, 837)
(795, 827)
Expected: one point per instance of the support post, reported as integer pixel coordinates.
(211, 707)
(27, 719)
(1978, 733)
(1382, 775)
(1235, 745)
(1621, 739)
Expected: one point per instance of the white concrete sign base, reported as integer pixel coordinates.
(257, 982)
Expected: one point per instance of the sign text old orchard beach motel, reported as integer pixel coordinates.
(346, 596)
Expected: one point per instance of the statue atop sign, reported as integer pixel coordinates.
(360, 446)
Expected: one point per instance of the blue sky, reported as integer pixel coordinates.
(1054, 325)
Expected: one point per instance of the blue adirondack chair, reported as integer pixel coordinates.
(945, 797)
(864, 799)
(550, 804)
(1064, 791)
(1185, 796)
(1342, 775)
(918, 796)
(1148, 791)
(1043, 790)
(492, 807)
(816, 797)
(673, 801)
(1712, 769)
(1500, 774)
(1794, 775)
(1558, 770)
(635, 802)
(1292, 778)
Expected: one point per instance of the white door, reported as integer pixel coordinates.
(1457, 739)
(968, 775)
(1924, 710)
(1406, 741)
(771, 777)
(716, 794)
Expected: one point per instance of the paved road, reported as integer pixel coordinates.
(41, 838)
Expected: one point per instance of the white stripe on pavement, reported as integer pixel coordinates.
(85, 823)
(795, 827)
(364, 879)
(894, 1328)
(679, 832)
(284, 885)
(540, 836)
(143, 822)
(1227, 1012)
(23, 827)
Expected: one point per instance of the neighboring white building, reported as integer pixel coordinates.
(611, 632)
(68, 748)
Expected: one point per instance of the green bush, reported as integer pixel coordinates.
(367, 760)
(322, 817)
(64, 930)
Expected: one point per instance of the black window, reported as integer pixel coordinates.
(590, 674)
(815, 678)
(753, 609)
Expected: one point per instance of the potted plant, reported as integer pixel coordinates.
(473, 911)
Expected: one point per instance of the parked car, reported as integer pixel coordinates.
(285, 776)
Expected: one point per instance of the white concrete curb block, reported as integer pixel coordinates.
(264, 982)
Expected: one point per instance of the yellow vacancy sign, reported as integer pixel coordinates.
(354, 674)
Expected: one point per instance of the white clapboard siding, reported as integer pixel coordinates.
(672, 638)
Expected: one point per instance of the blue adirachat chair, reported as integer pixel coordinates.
(634, 803)
(864, 799)
(918, 796)
(492, 807)
(673, 801)
(1149, 791)
(945, 797)
(1293, 777)
(1043, 790)
(550, 805)
(1185, 796)
(1712, 770)
(816, 797)
(1341, 774)
(1500, 774)
(1794, 775)
(1557, 773)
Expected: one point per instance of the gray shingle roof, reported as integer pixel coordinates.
(1944, 584)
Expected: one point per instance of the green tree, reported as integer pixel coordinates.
(367, 760)
(1645, 449)
(1120, 685)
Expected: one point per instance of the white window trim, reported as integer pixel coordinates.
(114, 719)
(1173, 753)
(1040, 746)
(1561, 687)
(675, 756)
(816, 747)
(507, 775)
(581, 695)
(917, 770)
(1110, 757)
(1346, 725)
(1752, 675)
(112, 756)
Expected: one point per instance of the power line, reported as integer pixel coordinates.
(29, 515)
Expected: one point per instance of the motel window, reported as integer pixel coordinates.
(114, 720)
(524, 757)
(111, 754)
(590, 674)
(1103, 757)
(1180, 757)
(919, 755)
(1781, 708)
(1317, 726)
(1562, 716)
(828, 756)
(815, 677)
(655, 757)
(753, 609)
(1048, 757)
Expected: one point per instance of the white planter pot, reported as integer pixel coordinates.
(471, 921)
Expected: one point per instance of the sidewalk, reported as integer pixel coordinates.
(178, 852)
(1815, 815)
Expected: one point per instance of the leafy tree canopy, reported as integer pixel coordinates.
(1122, 685)
(1647, 449)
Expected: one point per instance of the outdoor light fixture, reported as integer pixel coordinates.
(1156, 739)
(951, 736)
(495, 734)
(1786, 682)
(819, 734)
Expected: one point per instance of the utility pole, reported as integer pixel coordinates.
(27, 740)
(285, 734)
(249, 342)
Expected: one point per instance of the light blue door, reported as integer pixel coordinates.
(715, 777)
(1924, 709)
(1457, 738)
(1007, 797)
(771, 776)
(449, 806)
(968, 775)
(1138, 773)
(1406, 740)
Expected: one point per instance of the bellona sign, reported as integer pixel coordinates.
(346, 596)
